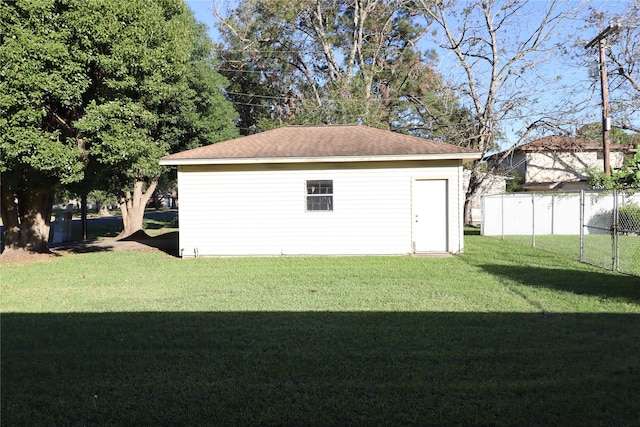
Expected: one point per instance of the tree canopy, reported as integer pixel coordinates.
(98, 90)
(326, 61)
(616, 135)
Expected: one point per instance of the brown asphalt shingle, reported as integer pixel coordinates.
(320, 141)
(567, 143)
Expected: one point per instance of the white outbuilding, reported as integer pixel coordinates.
(321, 190)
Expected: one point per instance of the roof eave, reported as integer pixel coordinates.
(465, 157)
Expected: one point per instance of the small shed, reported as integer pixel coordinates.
(321, 190)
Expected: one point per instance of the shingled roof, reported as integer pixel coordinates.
(568, 143)
(320, 143)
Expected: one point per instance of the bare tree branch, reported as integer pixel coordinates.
(497, 45)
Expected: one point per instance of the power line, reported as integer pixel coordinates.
(276, 50)
(284, 98)
(254, 95)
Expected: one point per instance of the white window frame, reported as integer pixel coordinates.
(328, 196)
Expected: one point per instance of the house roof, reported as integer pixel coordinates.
(569, 143)
(333, 143)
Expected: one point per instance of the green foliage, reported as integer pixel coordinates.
(118, 83)
(626, 177)
(118, 136)
(629, 217)
(93, 93)
(37, 67)
(515, 183)
(598, 179)
(616, 135)
(307, 62)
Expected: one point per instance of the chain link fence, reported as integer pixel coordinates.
(628, 238)
(596, 227)
(597, 238)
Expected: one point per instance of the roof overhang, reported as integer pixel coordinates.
(465, 157)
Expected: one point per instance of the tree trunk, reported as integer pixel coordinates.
(475, 183)
(27, 219)
(132, 206)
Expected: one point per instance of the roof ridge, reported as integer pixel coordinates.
(322, 126)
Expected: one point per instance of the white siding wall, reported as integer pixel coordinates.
(261, 210)
(548, 166)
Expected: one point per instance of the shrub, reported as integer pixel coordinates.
(629, 217)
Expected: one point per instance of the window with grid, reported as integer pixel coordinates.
(320, 195)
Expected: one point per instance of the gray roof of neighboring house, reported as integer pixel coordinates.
(321, 143)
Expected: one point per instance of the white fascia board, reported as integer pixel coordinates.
(465, 157)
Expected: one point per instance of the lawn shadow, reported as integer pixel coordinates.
(154, 226)
(472, 231)
(167, 243)
(319, 368)
(579, 282)
(83, 246)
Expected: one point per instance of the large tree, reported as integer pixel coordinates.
(332, 61)
(103, 87)
(498, 47)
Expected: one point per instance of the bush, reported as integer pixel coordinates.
(515, 183)
(629, 217)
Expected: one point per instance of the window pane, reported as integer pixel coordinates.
(320, 203)
(320, 187)
(320, 195)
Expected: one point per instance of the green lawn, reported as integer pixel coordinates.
(597, 248)
(502, 335)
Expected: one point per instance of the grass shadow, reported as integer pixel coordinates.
(320, 368)
(97, 228)
(579, 282)
(83, 247)
(157, 225)
(166, 242)
(472, 231)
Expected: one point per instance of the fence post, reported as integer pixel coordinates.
(581, 225)
(533, 220)
(502, 215)
(614, 233)
(553, 214)
(614, 227)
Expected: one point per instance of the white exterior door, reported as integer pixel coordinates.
(430, 224)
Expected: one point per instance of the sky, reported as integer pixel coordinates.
(568, 75)
(203, 11)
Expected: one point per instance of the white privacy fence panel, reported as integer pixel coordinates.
(597, 212)
(593, 226)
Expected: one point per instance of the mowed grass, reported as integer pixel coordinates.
(598, 249)
(501, 335)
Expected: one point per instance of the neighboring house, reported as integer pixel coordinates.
(560, 162)
(344, 189)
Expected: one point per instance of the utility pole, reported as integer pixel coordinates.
(604, 89)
